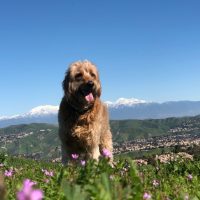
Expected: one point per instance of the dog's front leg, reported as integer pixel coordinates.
(94, 153)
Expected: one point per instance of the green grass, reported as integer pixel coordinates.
(102, 182)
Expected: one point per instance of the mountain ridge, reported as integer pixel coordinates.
(119, 110)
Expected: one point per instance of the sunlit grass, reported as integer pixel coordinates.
(101, 181)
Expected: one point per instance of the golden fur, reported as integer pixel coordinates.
(83, 119)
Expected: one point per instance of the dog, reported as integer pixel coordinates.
(83, 119)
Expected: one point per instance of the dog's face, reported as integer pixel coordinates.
(81, 84)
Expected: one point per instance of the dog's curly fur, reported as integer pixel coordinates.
(83, 119)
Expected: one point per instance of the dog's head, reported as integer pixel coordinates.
(81, 84)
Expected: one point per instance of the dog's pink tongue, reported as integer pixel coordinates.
(89, 97)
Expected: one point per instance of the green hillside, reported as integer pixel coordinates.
(26, 128)
(125, 130)
(41, 140)
(175, 180)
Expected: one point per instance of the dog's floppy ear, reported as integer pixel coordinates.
(65, 83)
(98, 90)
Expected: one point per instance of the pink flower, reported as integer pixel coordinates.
(106, 153)
(75, 156)
(46, 180)
(189, 177)
(155, 183)
(8, 173)
(186, 197)
(83, 162)
(146, 196)
(47, 173)
(28, 193)
(50, 173)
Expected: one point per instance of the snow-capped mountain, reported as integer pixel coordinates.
(152, 110)
(118, 110)
(40, 114)
(43, 110)
(35, 112)
(121, 102)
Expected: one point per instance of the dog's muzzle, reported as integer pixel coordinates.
(88, 91)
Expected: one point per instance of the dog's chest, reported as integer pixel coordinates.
(83, 131)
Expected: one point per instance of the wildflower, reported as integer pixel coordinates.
(155, 183)
(146, 196)
(83, 162)
(47, 173)
(8, 173)
(28, 193)
(189, 177)
(1, 165)
(106, 153)
(186, 197)
(157, 168)
(46, 180)
(75, 156)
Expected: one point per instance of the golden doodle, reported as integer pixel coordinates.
(83, 119)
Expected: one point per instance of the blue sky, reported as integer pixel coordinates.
(143, 49)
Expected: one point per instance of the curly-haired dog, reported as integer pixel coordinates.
(83, 119)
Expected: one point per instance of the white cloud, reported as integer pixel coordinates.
(44, 110)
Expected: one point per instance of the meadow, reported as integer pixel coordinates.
(80, 180)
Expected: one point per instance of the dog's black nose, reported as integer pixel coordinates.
(90, 83)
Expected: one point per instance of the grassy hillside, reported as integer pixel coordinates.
(35, 127)
(125, 181)
(41, 140)
(125, 130)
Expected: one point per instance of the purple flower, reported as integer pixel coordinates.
(146, 196)
(83, 162)
(75, 156)
(8, 173)
(189, 177)
(28, 193)
(106, 153)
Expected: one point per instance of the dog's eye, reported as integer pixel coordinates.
(78, 76)
(93, 74)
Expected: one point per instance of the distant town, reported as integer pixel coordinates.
(183, 140)
(173, 139)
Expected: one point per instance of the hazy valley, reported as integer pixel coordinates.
(41, 141)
